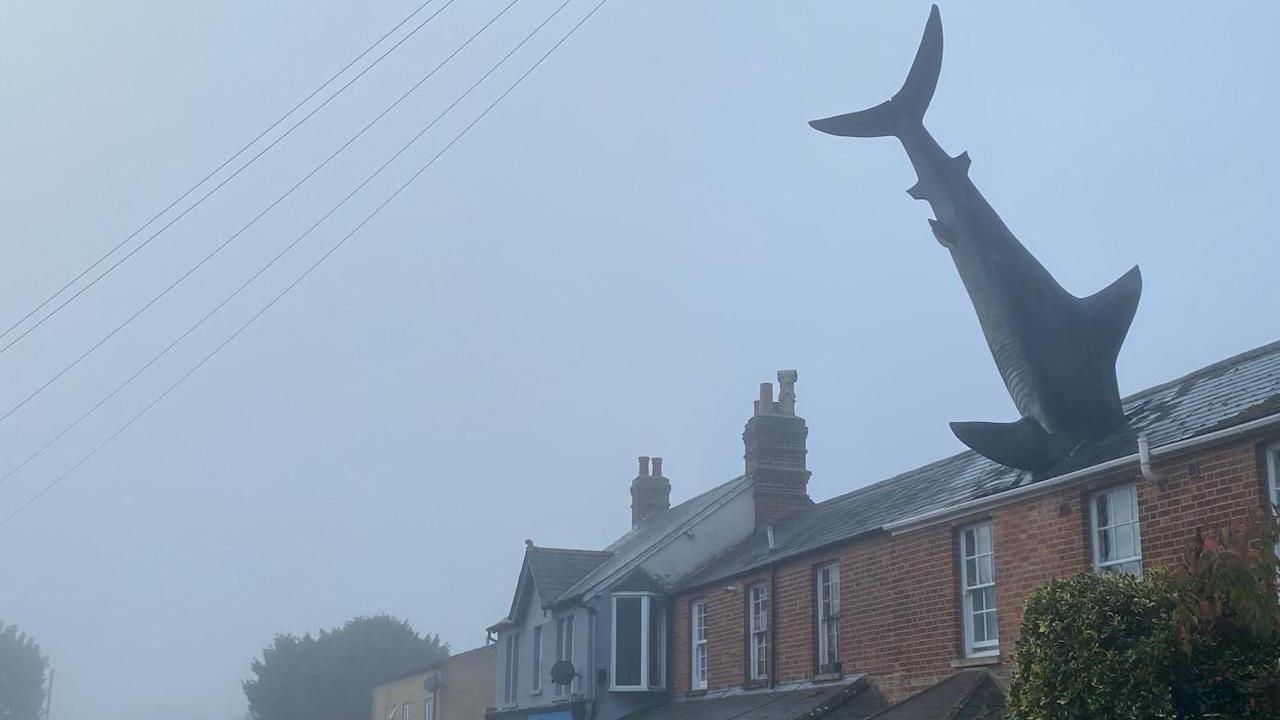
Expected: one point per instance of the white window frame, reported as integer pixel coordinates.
(511, 688)
(404, 712)
(758, 630)
(1115, 564)
(1273, 480)
(698, 638)
(969, 586)
(535, 683)
(828, 656)
(564, 651)
(647, 683)
(429, 706)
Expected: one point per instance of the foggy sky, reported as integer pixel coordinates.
(605, 267)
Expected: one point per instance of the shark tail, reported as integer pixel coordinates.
(910, 103)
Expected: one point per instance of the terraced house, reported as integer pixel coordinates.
(911, 581)
(589, 632)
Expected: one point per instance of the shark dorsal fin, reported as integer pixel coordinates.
(1110, 310)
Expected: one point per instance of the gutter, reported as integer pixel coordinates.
(934, 517)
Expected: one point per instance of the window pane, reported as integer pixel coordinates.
(992, 632)
(1121, 505)
(970, 573)
(979, 628)
(1124, 541)
(656, 634)
(984, 569)
(1106, 550)
(970, 546)
(1101, 506)
(984, 539)
(627, 644)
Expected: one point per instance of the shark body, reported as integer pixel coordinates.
(1055, 352)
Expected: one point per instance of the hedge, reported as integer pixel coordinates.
(1198, 641)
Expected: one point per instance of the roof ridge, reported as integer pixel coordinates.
(567, 551)
(1238, 358)
(482, 648)
(932, 687)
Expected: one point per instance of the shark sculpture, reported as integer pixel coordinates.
(1055, 352)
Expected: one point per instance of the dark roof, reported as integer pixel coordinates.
(423, 669)
(1227, 393)
(629, 551)
(564, 575)
(969, 695)
(557, 569)
(852, 699)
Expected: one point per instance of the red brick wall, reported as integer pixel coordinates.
(900, 604)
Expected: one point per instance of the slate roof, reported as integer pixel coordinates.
(629, 551)
(852, 699)
(969, 695)
(563, 575)
(557, 569)
(1231, 392)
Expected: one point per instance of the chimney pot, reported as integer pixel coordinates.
(774, 450)
(766, 398)
(787, 391)
(650, 492)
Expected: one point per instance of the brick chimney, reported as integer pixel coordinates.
(650, 491)
(775, 452)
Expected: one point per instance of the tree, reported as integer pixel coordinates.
(22, 681)
(331, 676)
(1200, 640)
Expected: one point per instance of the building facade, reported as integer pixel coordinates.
(459, 687)
(917, 578)
(589, 632)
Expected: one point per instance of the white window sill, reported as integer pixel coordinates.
(634, 689)
(977, 660)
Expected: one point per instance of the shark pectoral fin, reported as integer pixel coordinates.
(940, 232)
(1023, 444)
(1111, 309)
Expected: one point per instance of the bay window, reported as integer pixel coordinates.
(1117, 543)
(758, 613)
(698, 634)
(828, 606)
(564, 648)
(639, 642)
(978, 585)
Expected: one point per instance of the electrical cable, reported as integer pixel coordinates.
(229, 339)
(215, 188)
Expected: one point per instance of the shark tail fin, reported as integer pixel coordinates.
(910, 102)
(1024, 444)
(1111, 309)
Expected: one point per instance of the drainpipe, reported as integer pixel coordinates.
(1144, 461)
(590, 679)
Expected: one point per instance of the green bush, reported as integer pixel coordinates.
(1201, 640)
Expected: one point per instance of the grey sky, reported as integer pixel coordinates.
(605, 267)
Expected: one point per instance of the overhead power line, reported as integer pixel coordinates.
(281, 198)
(271, 263)
(214, 172)
(311, 268)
